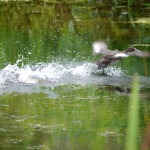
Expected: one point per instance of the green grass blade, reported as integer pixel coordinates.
(133, 117)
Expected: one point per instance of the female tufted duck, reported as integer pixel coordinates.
(112, 57)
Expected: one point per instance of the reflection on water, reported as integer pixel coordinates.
(51, 94)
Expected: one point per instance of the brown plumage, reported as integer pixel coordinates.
(112, 57)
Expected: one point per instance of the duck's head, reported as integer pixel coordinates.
(131, 50)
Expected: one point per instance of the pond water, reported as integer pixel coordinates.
(51, 94)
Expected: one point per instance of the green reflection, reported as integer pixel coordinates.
(78, 115)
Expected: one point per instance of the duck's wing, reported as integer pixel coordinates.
(100, 48)
(115, 54)
(139, 53)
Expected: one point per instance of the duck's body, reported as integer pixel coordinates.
(112, 57)
(104, 61)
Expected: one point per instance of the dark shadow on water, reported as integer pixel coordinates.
(122, 85)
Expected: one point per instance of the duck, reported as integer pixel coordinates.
(111, 57)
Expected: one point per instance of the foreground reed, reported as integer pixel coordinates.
(133, 117)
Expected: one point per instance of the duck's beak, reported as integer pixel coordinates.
(136, 50)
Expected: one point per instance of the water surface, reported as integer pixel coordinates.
(51, 94)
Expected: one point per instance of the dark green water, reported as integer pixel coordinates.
(52, 97)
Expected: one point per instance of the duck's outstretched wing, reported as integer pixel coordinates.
(115, 54)
(100, 48)
(139, 53)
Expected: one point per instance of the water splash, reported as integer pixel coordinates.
(113, 71)
(31, 78)
(41, 71)
(52, 72)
